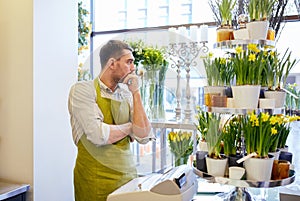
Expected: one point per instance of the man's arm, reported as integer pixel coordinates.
(141, 126)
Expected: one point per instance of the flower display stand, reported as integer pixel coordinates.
(240, 192)
(241, 186)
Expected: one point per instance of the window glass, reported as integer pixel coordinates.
(129, 14)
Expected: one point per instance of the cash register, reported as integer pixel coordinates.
(178, 184)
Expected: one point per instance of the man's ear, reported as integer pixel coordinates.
(111, 63)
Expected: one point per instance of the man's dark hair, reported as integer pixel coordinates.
(112, 49)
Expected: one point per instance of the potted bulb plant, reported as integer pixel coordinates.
(222, 10)
(248, 68)
(216, 162)
(219, 73)
(278, 71)
(232, 140)
(259, 130)
(259, 12)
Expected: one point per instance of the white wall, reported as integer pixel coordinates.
(38, 64)
(55, 69)
(16, 91)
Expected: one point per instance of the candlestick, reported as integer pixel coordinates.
(194, 33)
(183, 55)
(204, 33)
(183, 33)
(172, 35)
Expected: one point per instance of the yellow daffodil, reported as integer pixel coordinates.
(253, 117)
(252, 57)
(265, 117)
(273, 131)
(253, 47)
(223, 61)
(273, 120)
(239, 49)
(181, 144)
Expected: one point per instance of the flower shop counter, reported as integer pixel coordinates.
(12, 191)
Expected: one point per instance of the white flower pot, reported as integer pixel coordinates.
(241, 34)
(230, 102)
(267, 103)
(279, 97)
(216, 167)
(258, 30)
(259, 169)
(246, 96)
(275, 154)
(203, 146)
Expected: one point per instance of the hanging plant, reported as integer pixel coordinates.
(84, 28)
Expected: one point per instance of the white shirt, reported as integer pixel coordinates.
(85, 115)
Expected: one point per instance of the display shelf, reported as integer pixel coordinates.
(241, 111)
(247, 183)
(231, 44)
(240, 192)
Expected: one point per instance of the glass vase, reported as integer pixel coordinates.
(153, 95)
(181, 160)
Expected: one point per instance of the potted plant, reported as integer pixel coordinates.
(248, 68)
(274, 150)
(232, 140)
(203, 119)
(279, 69)
(284, 128)
(219, 73)
(201, 124)
(259, 130)
(259, 12)
(292, 100)
(215, 162)
(222, 10)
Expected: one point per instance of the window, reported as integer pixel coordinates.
(131, 14)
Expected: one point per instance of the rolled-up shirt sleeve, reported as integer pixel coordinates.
(85, 115)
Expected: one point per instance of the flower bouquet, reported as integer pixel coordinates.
(181, 145)
(152, 66)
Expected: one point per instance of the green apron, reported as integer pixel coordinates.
(100, 170)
